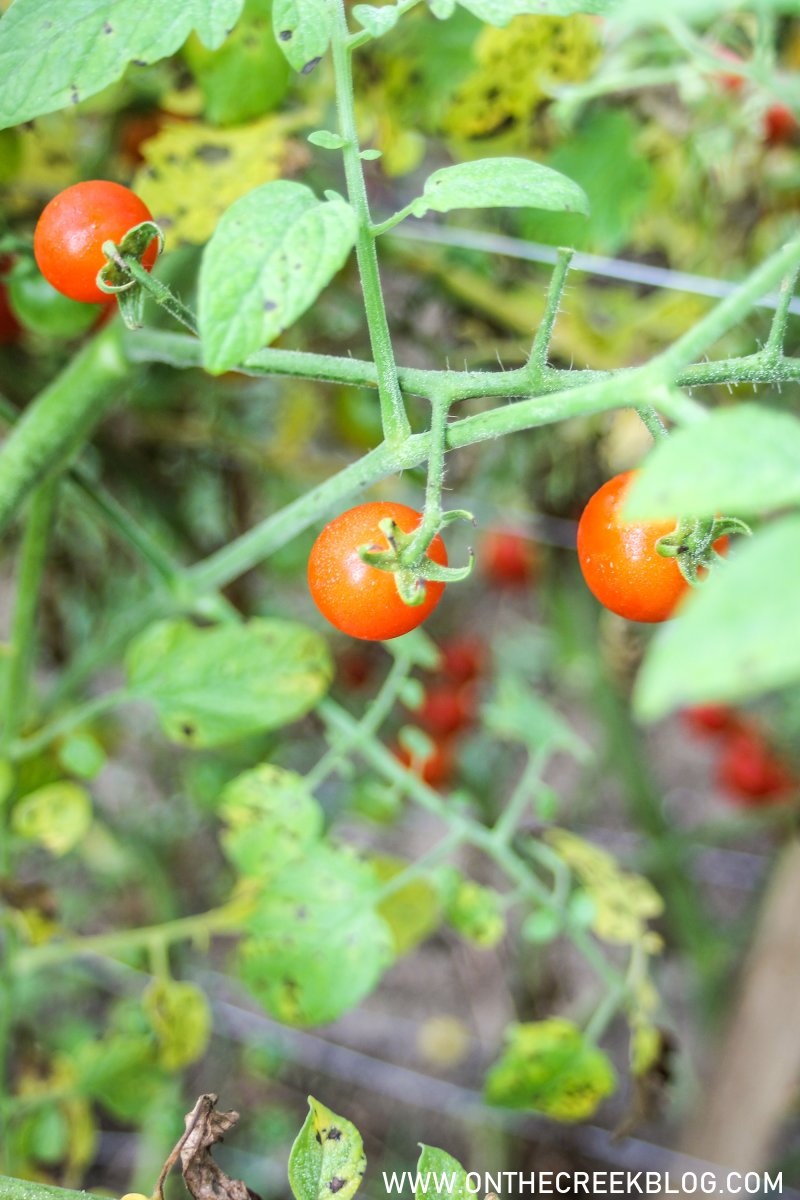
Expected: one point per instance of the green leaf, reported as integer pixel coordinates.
(181, 1019)
(271, 820)
(742, 460)
(376, 20)
(370, 155)
(82, 754)
(500, 12)
(499, 183)
(303, 29)
(316, 946)
(57, 816)
(439, 1174)
(549, 1067)
(736, 635)
(54, 55)
(220, 684)
(271, 255)
(247, 76)
(604, 155)
(517, 713)
(327, 1157)
(326, 139)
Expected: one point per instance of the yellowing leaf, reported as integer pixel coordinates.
(193, 172)
(549, 1067)
(56, 815)
(327, 1157)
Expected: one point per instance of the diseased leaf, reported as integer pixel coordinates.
(741, 461)
(499, 183)
(549, 1067)
(54, 55)
(204, 1178)
(736, 635)
(57, 816)
(181, 1019)
(327, 1158)
(216, 685)
(316, 945)
(271, 820)
(271, 255)
(303, 29)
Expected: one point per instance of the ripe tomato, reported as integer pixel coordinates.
(751, 772)
(710, 719)
(780, 125)
(69, 237)
(359, 599)
(446, 709)
(619, 559)
(9, 325)
(463, 658)
(508, 559)
(437, 768)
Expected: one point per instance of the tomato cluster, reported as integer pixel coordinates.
(449, 707)
(748, 769)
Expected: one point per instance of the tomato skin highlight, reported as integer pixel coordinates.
(69, 236)
(358, 599)
(619, 559)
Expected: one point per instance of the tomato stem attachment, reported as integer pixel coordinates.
(125, 277)
(692, 544)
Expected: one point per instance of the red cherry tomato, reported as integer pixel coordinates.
(710, 719)
(69, 237)
(508, 559)
(750, 771)
(463, 658)
(437, 768)
(730, 81)
(780, 125)
(446, 709)
(619, 559)
(361, 600)
(10, 327)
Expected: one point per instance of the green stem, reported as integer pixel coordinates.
(33, 555)
(541, 342)
(24, 748)
(378, 711)
(666, 366)
(184, 353)
(506, 825)
(201, 926)
(393, 414)
(162, 294)
(61, 418)
(773, 349)
(432, 513)
(652, 422)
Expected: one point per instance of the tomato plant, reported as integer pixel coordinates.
(70, 234)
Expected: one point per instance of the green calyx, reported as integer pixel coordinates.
(121, 276)
(408, 560)
(692, 544)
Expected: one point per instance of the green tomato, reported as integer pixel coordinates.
(41, 309)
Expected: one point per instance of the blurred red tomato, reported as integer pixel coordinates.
(463, 658)
(710, 719)
(780, 125)
(437, 768)
(10, 327)
(447, 708)
(750, 771)
(508, 559)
